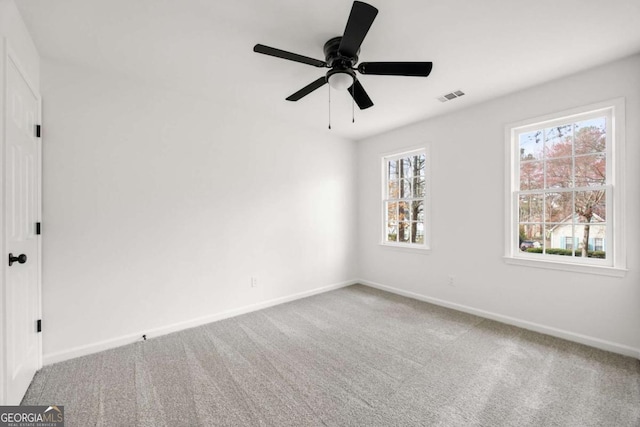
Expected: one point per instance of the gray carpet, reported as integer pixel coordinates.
(351, 357)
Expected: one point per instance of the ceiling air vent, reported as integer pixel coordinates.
(449, 96)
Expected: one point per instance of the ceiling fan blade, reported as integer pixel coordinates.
(421, 69)
(278, 53)
(360, 95)
(308, 89)
(360, 20)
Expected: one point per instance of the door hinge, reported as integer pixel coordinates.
(38, 131)
(38, 228)
(39, 325)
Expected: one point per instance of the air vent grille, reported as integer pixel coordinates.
(449, 96)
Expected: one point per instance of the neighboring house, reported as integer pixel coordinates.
(563, 236)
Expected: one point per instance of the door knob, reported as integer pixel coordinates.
(22, 258)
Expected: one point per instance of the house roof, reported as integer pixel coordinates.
(570, 219)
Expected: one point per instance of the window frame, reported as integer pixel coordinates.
(426, 199)
(614, 265)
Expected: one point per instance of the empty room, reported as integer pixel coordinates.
(336, 213)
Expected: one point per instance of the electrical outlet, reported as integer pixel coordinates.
(254, 281)
(451, 281)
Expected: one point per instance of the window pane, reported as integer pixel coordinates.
(392, 232)
(531, 177)
(417, 210)
(531, 238)
(588, 237)
(531, 146)
(420, 161)
(403, 211)
(591, 206)
(416, 165)
(531, 232)
(393, 190)
(417, 232)
(392, 211)
(557, 141)
(393, 169)
(561, 240)
(404, 232)
(590, 136)
(531, 207)
(597, 240)
(558, 173)
(406, 167)
(591, 170)
(418, 187)
(405, 189)
(558, 207)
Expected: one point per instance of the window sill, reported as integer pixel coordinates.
(423, 250)
(578, 268)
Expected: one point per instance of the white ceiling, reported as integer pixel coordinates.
(487, 48)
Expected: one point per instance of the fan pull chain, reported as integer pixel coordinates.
(329, 106)
(353, 101)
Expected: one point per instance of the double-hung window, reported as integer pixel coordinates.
(405, 198)
(565, 189)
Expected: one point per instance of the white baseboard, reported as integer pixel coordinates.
(536, 327)
(130, 338)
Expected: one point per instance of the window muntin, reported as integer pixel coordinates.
(404, 201)
(562, 185)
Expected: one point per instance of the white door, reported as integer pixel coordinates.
(22, 212)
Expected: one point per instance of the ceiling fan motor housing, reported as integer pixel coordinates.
(334, 59)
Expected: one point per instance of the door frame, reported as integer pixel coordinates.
(9, 55)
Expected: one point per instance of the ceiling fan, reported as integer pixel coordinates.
(341, 56)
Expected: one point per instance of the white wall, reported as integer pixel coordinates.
(158, 207)
(468, 213)
(13, 28)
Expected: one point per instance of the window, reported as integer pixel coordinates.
(598, 244)
(405, 195)
(568, 243)
(565, 185)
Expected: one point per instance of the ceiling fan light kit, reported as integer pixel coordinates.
(341, 57)
(341, 80)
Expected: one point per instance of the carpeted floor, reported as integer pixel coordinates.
(351, 357)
